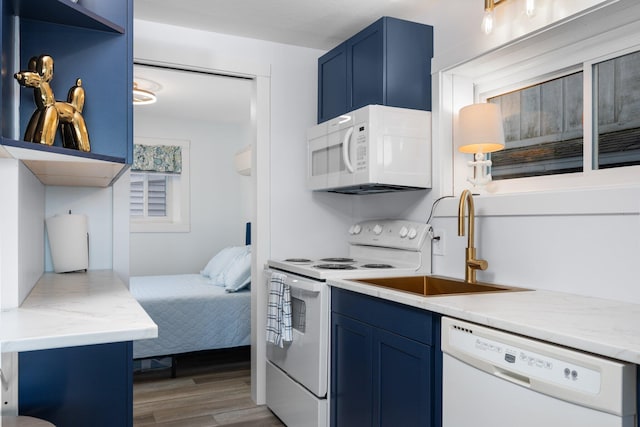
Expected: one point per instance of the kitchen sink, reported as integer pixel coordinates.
(436, 285)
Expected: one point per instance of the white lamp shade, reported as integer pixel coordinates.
(480, 127)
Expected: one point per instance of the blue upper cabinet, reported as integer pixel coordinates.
(91, 40)
(387, 63)
(332, 83)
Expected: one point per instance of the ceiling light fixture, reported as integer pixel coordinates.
(488, 18)
(530, 8)
(142, 96)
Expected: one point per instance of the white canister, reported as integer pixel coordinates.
(69, 242)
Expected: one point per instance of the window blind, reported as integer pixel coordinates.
(148, 195)
(157, 195)
(136, 195)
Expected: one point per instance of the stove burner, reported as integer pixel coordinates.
(334, 267)
(338, 260)
(299, 260)
(377, 266)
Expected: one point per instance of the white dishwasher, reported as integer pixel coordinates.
(495, 379)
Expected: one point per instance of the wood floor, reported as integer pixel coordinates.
(208, 391)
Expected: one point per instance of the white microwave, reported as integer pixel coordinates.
(373, 149)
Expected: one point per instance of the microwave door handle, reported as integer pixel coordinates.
(345, 149)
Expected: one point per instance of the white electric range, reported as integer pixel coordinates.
(297, 375)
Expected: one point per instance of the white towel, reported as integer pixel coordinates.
(279, 311)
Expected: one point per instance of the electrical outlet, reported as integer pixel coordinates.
(439, 242)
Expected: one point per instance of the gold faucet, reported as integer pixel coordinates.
(471, 263)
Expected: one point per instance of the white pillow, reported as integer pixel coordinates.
(238, 276)
(217, 266)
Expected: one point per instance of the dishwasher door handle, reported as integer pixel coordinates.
(512, 377)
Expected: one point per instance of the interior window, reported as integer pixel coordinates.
(159, 196)
(617, 134)
(543, 129)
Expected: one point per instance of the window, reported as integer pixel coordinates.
(544, 122)
(617, 112)
(159, 186)
(543, 129)
(569, 115)
(594, 50)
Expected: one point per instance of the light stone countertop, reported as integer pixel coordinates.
(72, 309)
(600, 326)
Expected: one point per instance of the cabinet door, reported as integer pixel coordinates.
(402, 385)
(408, 53)
(365, 68)
(351, 369)
(78, 386)
(332, 84)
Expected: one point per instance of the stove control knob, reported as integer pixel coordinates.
(377, 229)
(412, 233)
(404, 231)
(356, 229)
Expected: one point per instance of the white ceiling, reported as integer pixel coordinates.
(190, 95)
(320, 24)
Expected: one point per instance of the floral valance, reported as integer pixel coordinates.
(157, 158)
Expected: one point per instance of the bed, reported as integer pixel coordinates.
(195, 312)
(191, 315)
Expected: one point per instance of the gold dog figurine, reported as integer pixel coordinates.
(50, 113)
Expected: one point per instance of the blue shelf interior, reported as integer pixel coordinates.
(86, 41)
(64, 12)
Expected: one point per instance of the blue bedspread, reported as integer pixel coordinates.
(191, 315)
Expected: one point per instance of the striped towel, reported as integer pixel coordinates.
(279, 311)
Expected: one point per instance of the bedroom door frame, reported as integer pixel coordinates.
(260, 75)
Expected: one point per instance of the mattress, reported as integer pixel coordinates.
(191, 315)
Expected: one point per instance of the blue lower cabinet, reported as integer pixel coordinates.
(82, 386)
(402, 394)
(385, 363)
(351, 372)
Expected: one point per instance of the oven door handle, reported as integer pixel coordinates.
(311, 286)
(306, 285)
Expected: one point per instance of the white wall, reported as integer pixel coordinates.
(583, 254)
(219, 207)
(97, 205)
(31, 202)
(21, 232)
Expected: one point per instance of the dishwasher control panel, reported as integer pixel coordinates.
(523, 364)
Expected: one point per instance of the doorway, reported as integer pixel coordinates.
(204, 207)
